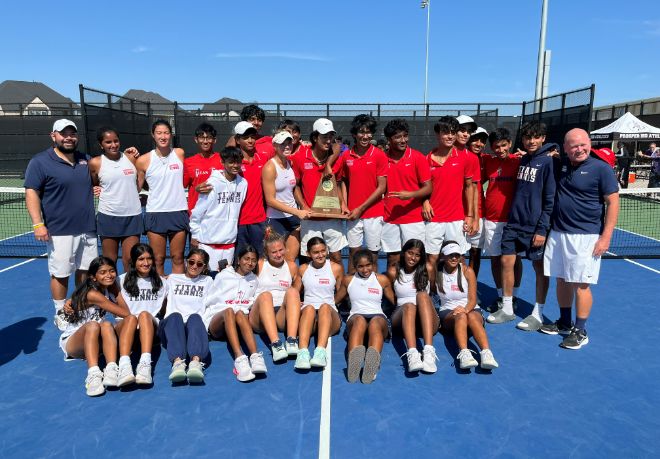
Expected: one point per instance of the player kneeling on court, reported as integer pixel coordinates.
(365, 289)
(586, 210)
(277, 306)
(319, 279)
(414, 307)
(83, 326)
(144, 292)
(457, 290)
(182, 331)
(228, 310)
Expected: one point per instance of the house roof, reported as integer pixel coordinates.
(15, 93)
(220, 105)
(147, 96)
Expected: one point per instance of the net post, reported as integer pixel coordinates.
(83, 110)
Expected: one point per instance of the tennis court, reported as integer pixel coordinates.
(543, 401)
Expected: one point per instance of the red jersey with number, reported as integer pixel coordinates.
(197, 169)
(254, 209)
(361, 176)
(501, 176)
(448, 181)
(407, 174)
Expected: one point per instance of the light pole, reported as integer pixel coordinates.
(426, 4)
(540, 66)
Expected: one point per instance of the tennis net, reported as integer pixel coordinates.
(637, 234)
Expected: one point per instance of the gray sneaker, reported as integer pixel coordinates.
(371, 365)
(355, 362)
(499, 317)
(529, 323)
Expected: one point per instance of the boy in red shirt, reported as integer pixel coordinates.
(500, 171)
(198, 168)
(363, 171)
(475, 237)
(408, 184)
(254, 115)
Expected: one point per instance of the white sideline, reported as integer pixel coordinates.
(18, 264)
(324, 428)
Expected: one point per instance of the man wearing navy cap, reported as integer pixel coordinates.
(59, 199)
(585, 214)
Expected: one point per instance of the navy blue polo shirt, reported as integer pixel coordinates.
(67, 202)
(581, 189)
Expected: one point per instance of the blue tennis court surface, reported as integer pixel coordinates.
(543, 401)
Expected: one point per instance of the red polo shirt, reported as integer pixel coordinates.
(448, 181)
(196, 170)
(407, 174)
(361, 175)
(501, 176)
(264, 146)
(253, 210)
(308, 173)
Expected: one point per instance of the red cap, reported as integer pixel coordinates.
(606, 155)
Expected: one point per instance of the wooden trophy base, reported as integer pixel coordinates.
(326, 201)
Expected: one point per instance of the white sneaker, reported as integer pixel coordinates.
(143, 373)
(126, 375)
(242, 369)
(319, 359)
(111, 375)
(488, 362)
(414, 360)
(178, 373)
(429, 358)
(257, 363)
(279, 353)
(94, 383)
(466, 360)
(195, 373)
(291, 346)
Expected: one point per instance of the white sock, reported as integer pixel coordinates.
(429, 346)
(507, 305)
(145, 357)
(499, 292)
(124, 360)
(413, 349)
(537, 312)
(93, 369)
(59, 304)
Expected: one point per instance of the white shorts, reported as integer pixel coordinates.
(367, 230)
(437, 233)
(493, 238)
(330, 230)
(215, 255)
(66, 254)
(569, 257)
(395, 236)
(476, 241)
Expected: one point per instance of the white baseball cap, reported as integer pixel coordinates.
(480, 131)
(242, 127)
(323, 126)
(62, 124)
(451, 248)
(464, 119)
(281, 136)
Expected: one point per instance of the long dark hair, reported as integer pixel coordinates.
(421, 275)
(79, 297)
(131, 278)
(244, 249)
(440, 271)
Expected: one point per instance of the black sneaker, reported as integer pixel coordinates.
(556, 328)
(576, 339)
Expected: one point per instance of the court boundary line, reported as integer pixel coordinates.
(19, 264)
(18, 235)
(324, 425)
(635, 263)
(637, 234)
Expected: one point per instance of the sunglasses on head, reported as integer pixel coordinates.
(199, 264)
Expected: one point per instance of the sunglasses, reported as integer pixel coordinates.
(199, 264)
(454, 255)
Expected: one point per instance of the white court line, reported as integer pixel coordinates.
(18, 235)
(19, 264)
(324, 428)
(637, 234)
(636, 263)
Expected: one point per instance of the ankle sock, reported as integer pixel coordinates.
(580, 323)
(507, 305)
(124, 360)
(145, 357)
(537, 312)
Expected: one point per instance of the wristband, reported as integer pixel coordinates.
(38, 225)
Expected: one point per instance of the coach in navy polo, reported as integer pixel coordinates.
(585, 214)
(59, 199)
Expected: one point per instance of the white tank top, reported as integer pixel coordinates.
(285, 182)
(365, 295)
(165, 178)
(146, 300)
(404, 288)
(91, 314)
(453, 296)
(275, 280)
(319, 285)
(119, 195)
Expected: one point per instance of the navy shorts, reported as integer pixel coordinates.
(284, 226)
(166, 222)
(252, 234)
(515, 241)
(111, 226)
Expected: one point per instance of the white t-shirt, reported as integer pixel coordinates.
(146, 300)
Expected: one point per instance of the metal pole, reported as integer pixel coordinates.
(427, 4)
(539, 65)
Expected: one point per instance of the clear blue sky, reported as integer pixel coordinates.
(337, 51)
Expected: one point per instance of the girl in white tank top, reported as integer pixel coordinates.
(165, 179)
(318, 278)
(285, 182)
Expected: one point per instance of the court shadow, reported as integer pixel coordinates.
(453, 350)
(23, 336)
(486, 293)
